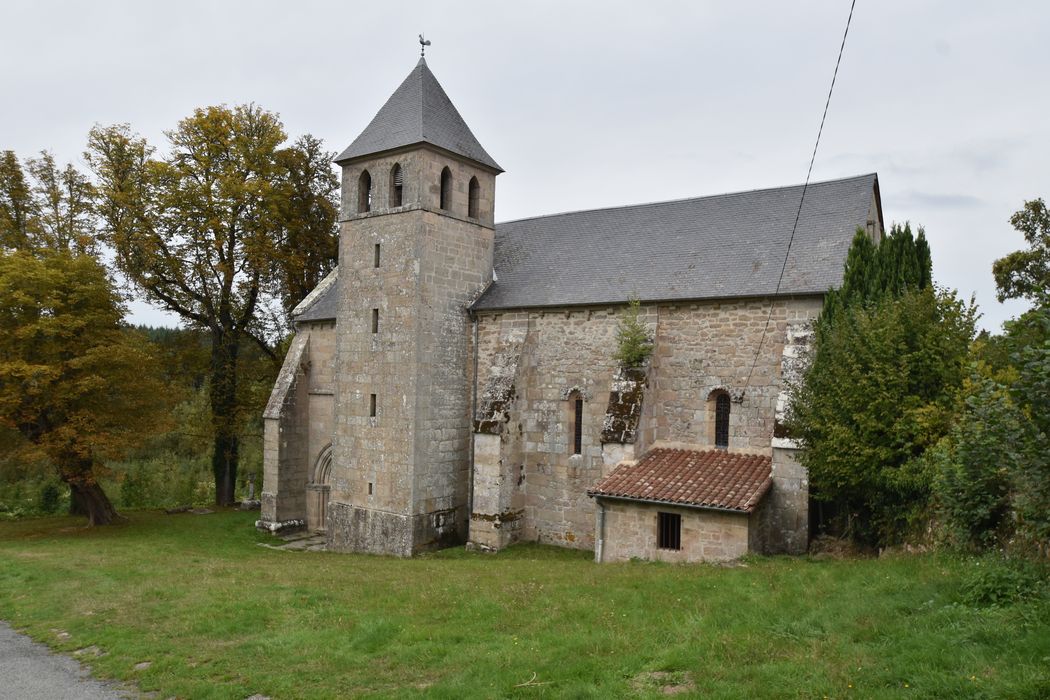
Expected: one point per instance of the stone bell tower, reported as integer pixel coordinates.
(416, 245)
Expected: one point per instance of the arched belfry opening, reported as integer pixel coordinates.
(397, 185)
(718, 408)
(364, 193)
(446, 189)
(473, 197)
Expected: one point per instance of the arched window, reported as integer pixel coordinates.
(576, 422)
(473, 195)
(397, 183)
(446, 189)
(718, 405)
(364, 193)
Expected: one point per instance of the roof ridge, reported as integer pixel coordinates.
(686, 199)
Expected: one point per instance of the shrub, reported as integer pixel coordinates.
(974, 464)
(633, 343)
(999, 580)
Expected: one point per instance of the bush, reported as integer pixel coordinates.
(632, 338)
(974, 464)
(50, 499)
(999, 580)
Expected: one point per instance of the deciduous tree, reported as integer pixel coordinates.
(219, 231)
(1026, 273)
(76, 388)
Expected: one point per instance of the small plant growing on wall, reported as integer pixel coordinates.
(632, 339)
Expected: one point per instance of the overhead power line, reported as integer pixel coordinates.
(802, 199)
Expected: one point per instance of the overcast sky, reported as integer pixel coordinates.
(592, 104)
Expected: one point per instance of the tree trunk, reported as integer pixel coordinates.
(75, 506)
(224, 350)
(93, 500)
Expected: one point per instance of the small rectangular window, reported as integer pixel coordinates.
(668, 531)
(375, 320)
(577, 433)
(371, 405)
(375, 260)
(369, 488)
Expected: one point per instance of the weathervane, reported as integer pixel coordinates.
(423, 44)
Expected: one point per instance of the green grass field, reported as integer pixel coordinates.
(219, 617)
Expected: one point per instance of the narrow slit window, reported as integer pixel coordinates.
(375, 258)
(577, 427)
(371, 405)
(668, 531)
(722, 421)
(375, 320)
(369, 488)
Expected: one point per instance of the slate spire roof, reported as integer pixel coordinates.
(419, 111)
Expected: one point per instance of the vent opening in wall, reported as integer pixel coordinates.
(668, 531)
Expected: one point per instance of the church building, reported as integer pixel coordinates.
(455, 380)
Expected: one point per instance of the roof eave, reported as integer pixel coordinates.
(342, 159)
(679, 504)
(672, 300)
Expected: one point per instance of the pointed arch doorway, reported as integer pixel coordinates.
(318, 490)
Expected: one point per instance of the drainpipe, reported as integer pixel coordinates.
(601, 531)
(473, 415)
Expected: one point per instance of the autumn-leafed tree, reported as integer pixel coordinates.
(50, 210)
(76, 388)
(228, 230)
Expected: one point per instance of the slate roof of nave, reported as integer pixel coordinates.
(718, 247)
(419, 111)
(723, 246)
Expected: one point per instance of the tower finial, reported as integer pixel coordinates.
(423, 44)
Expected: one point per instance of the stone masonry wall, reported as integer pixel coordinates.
(286, 443)
(707, 535)
(699, 347)
(400, 477)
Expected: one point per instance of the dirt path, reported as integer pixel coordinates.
(31, 671)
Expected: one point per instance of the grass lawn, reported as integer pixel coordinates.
(219, 617)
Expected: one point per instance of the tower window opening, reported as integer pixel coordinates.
(375, 258)
(371, 405)
(446, 189)
(474, 194)
(375, 320)
(397, 183)
(364, 193)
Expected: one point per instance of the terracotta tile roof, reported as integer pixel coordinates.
(701, 478)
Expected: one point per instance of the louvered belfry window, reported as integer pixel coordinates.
(397, 183)
(722, 421)
(668, 531)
